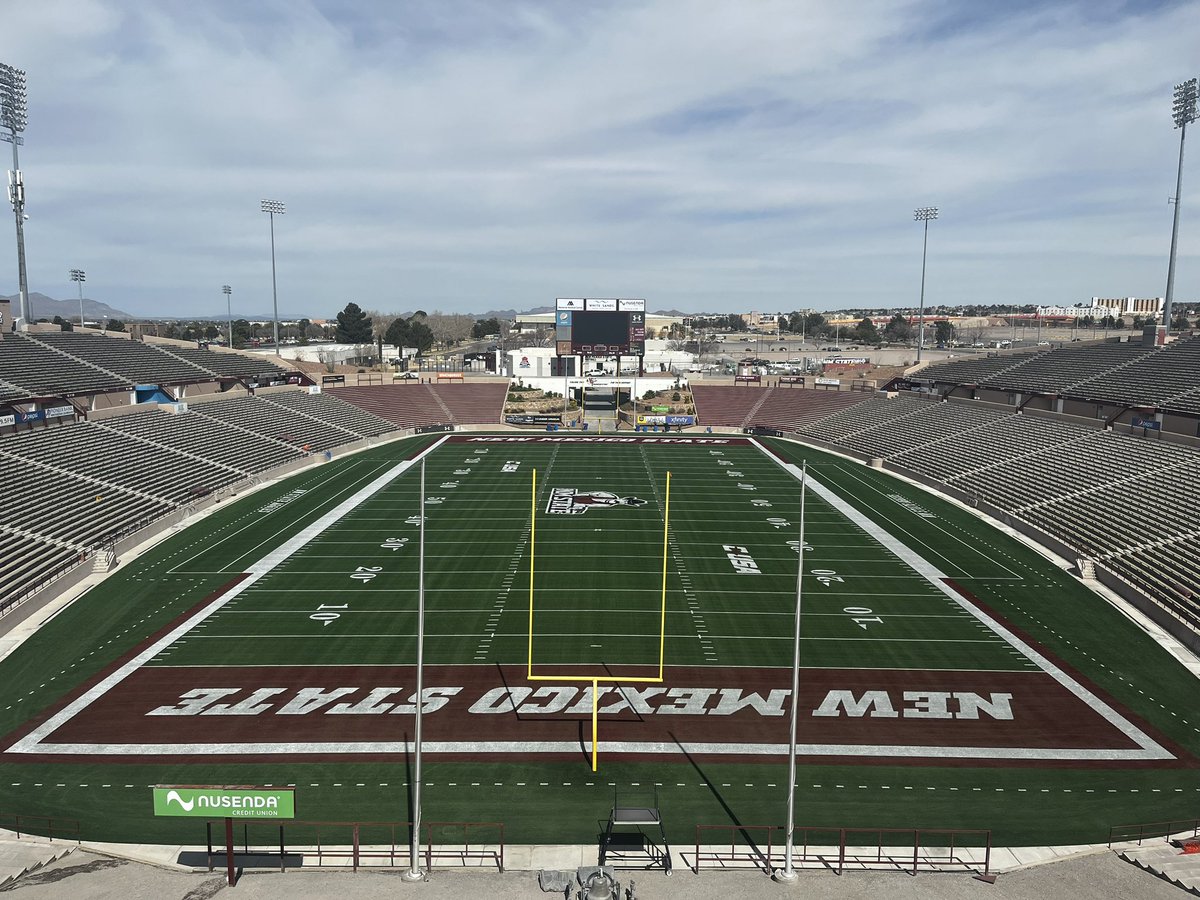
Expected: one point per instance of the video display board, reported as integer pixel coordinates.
(600, 326)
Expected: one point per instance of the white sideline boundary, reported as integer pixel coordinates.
(36, 741)
(1150, 749)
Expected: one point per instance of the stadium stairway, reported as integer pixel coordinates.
(21, 857)
(1181, 869)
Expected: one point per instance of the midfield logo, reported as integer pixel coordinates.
(574, 502)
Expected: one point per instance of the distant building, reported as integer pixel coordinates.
(1130, 306)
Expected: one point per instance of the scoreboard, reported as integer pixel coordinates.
(600, 326)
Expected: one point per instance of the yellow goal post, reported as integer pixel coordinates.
(597, 680)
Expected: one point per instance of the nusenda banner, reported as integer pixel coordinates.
(219, 803)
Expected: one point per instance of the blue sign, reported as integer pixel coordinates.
(1139, 422)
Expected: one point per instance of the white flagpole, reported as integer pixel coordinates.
(787, 875)
(414, 872)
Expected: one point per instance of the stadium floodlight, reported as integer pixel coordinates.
(79, 277)
(787, 875)
(1183, 111)
(14, 115)
(924, 214)
(227, 290)
(274, 208)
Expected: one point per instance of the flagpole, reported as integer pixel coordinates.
(787, 875)
(414, 872)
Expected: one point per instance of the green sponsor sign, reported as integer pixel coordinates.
(660, 409)
(219, 803)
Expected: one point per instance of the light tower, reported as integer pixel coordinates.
(14, 115)
(79, 277)
(274, 208)
(924, 214)
(227, 290)
(1183, 111)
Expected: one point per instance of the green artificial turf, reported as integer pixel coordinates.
(597, 585)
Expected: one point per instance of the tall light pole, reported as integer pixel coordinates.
(79, 277)
(14, 115)
(227, 290)
(786, 875)
(1183, 111)
(274, 208)
(924, 214)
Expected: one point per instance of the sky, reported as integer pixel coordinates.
(465, 156)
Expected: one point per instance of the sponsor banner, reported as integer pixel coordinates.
(763, 430)
(848, 361)
(35, 415)
(333, 379)
(833, 382)
(432, 429)
(632, 305)
(791, 379)
(660, 409)
(57, 412)
(562, 348)
(601, 304)
(562, 319)
(233, 803)
(666, 420)
(533, 419)
(569, 303)
(749, 379)
(9, 419)
(1139, 422)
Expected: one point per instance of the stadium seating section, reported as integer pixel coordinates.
(1121, 373)
(1128, 503)
(84, 486)
(62, 363)
(740, 406)
(414, 405)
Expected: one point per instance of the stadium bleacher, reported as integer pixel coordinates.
(415, 405)
(83, 486)
(1125, 502)
(1111, 372)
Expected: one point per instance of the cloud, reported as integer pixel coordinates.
(470, 155)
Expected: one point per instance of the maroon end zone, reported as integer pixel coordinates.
(937, 717)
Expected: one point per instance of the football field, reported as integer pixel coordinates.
(652, 580)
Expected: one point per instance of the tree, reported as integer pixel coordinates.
(211, 332)
(734, 322)
(116, 325)
(484, 327)
(304, 325)
(944, 332)
(866, 331)
(410, 332)
(814, 324)
(353, 325)
(898, 329)
(1181, 323)
(1108, 322)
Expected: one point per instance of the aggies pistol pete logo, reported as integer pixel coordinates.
(574, 502)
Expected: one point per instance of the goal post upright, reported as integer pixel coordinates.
(662, 625)
(532, 546)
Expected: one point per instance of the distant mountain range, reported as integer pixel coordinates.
(43, 307)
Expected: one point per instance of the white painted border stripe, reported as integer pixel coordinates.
(32, 742)
(927, 570)
(914, 751)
